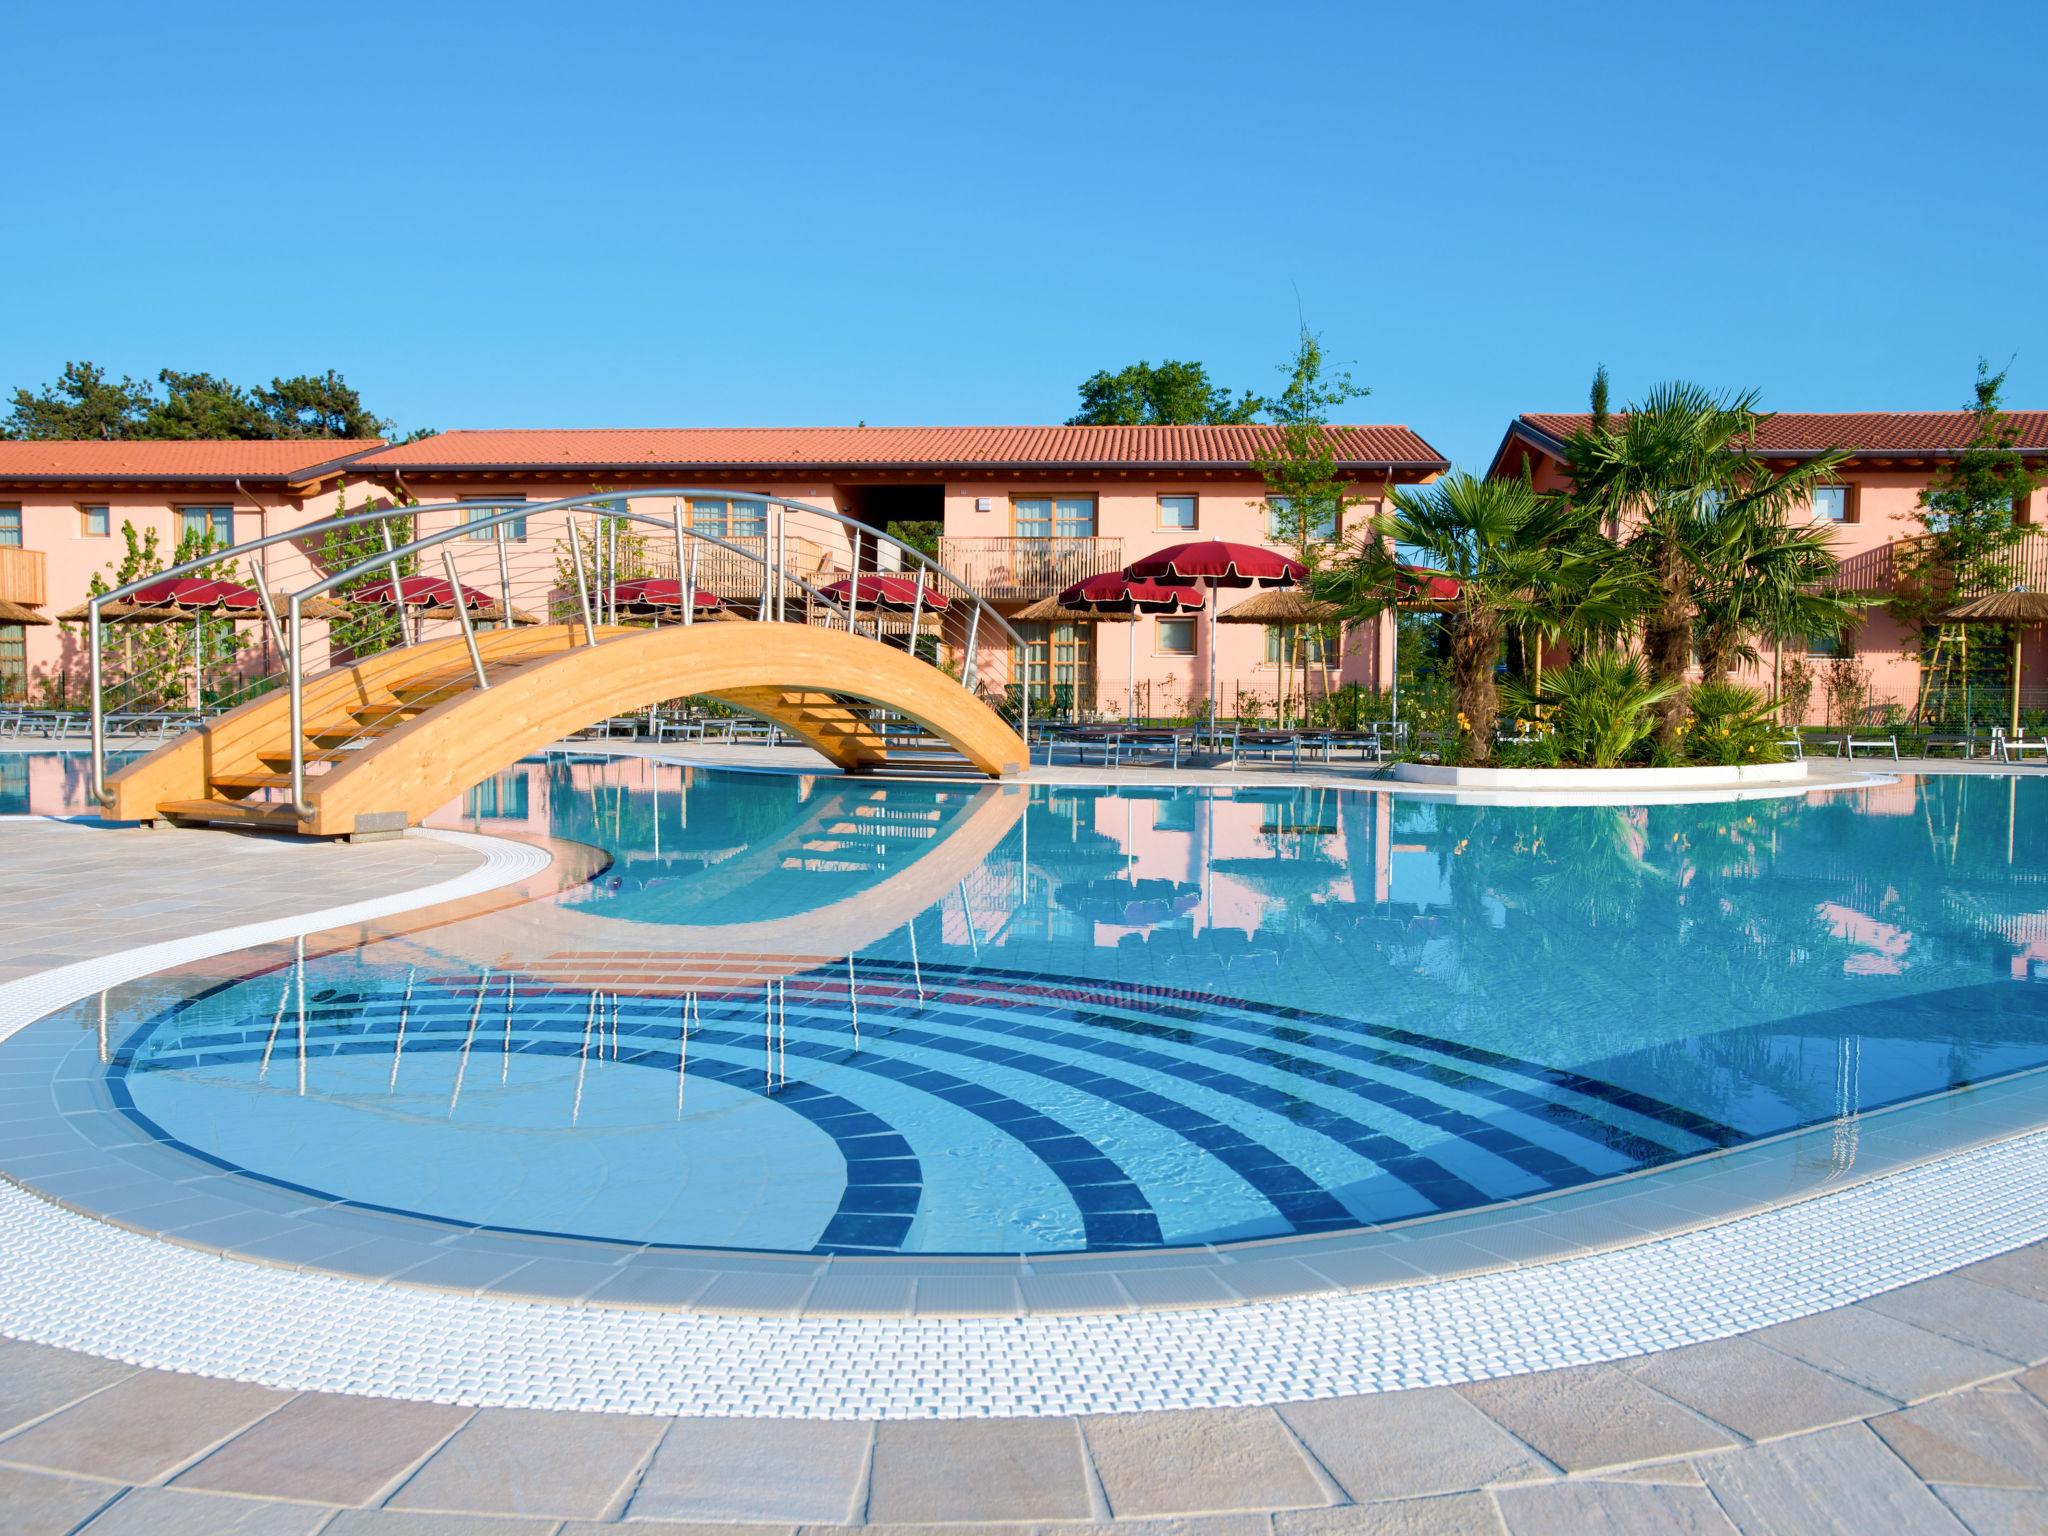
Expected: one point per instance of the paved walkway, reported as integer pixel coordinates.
(1925, 1410)
(75, 890)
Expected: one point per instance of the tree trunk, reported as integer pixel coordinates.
(1475, 647)
(1667, 647)
(1717, 662)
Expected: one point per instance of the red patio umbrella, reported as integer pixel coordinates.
(896, 593)
(176, 599)
(1419, 587)
(1214, 564)
(1113, 592)
(652, 596)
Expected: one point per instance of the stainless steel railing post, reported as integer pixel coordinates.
(582, 582)
(504, 578)
(298, 722)
(269, 607)
(397, 588)
(853, 590)
(690, 585)
(916, 611)
(99, 724)
(461, 598)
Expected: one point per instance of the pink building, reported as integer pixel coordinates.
(1870, 510)
(1020, 512)
(63, 504)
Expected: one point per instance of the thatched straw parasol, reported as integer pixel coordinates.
(1284, 611)
(2020, 610)
(20, 613)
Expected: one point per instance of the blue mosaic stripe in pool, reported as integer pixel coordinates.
(1433, 1119)
(1161, 1000)
(883, 1180)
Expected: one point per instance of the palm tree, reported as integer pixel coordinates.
(1768, 579)
(1707, 521)
(1519, 558)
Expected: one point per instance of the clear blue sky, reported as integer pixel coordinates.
(664, 214)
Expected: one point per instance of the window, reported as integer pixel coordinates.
(214, 523)
(93, 523)
(1174, 637)
(1047, 517)
(730, 519)
(1282, 524)
(10, 527)
(1831, 503)
(502, 798)
(1826, 646)
(515, 528)
(1305, 645)
(13, 661)
(1176, 511)
(1059, 663)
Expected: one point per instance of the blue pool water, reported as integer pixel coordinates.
(827, 1015)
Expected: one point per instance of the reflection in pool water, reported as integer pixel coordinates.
(834, 1015)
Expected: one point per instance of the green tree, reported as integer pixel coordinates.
(1967, 532)
(1519, 558)
(201, 405)
(83, 403)
(1770, 579)
(1172, 394)
(1306, 494)
(1678, 478)
(150, 666)
(323, 405)
(367, 629)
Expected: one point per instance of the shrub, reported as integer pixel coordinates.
(1795, 692)
(1732, 725)
(1600, 709)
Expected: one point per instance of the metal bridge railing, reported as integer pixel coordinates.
(516, 563)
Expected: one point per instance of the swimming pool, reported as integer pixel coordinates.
(819, 1015)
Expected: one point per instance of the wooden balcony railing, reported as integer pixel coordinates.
(1024, 570)
(1876, 571)
(21, 575)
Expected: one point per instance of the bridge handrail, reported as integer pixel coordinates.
(98, 766)
(617, 504)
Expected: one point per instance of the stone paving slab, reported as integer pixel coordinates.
(1201, 1461)
(1833, 1481)
(142, 1428)
(328, 1449)
(1408, 1444)
(968, 1470)
(1573, 1509)
(708, 1470)
(1594, 1416)
(515, 1461)
(1984, 1438)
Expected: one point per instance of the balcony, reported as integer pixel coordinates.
(1024, 570)
(21, 576)
(1875, 572)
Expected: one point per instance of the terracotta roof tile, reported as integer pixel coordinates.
(1800, 432)
(895, 447)
(209, 459)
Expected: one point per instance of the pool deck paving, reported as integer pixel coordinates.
(1921, 1409)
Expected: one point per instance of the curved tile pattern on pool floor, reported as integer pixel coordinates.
(1126, 1116)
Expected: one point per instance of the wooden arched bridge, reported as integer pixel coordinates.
(383, 741)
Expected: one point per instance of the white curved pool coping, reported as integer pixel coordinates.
(72, 1281)
(77, 1283)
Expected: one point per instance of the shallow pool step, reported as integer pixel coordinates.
(231, 813)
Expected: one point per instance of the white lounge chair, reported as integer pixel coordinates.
(2014, 749)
